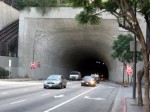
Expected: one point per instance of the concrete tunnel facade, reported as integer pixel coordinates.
(62, 45)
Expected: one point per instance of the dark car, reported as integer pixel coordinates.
(55, 81)
(88, 81)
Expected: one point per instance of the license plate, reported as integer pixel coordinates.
(50, 85)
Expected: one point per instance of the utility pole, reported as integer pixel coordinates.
(135, 49)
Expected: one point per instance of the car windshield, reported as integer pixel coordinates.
(54, 77)
(74, 72)
(88, 78)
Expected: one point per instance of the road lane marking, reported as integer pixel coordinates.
(87, 97)
(59, 96)
(45, 94)
(26, 90)
(18, 101)
(107, 86)
(50, 109)
(4, 93)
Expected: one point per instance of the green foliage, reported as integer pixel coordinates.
(87, 17)
(144, 7)
(78, 3)
(4, 73)
(110, 6)
(121, 49)
(22, 4)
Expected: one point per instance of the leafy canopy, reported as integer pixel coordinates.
(121, 49)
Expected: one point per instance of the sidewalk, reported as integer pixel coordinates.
(131, 105)
(124, 101)
(21, 81)
(16, 79)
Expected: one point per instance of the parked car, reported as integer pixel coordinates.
(56, 81)
(75, 75)
(88, 81)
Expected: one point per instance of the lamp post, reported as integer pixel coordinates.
(34, 42)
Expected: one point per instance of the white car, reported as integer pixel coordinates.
(75, 75)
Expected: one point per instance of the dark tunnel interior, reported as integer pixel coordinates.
(90, 66)
(86, 61)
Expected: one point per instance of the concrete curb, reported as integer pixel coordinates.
(124, 108)
(112, 104)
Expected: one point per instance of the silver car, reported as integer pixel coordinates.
(55, 81)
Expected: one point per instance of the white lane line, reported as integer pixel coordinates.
(4, 93)
(59, 96)
(18, 101)
(45, 94)
(87, 97)
(70, 100)
(107, 86)
(26, 90)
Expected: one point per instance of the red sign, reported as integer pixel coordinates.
(39, 64)
(32, 65)
(129, 70)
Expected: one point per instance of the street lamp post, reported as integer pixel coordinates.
(34, 42)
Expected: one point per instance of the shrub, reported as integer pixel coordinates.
(3, 73)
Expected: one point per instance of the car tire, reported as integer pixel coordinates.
(64, 86)
(44, 87)
(60, 86)
(81, 84)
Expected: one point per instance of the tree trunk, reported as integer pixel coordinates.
(146, 83)
(140, 76)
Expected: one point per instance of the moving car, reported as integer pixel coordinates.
(102, 77)
(75, 75)
(56, 81)
(96, 77)
(88, 81)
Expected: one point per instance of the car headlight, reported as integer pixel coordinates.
(82, 81)
(92, 82)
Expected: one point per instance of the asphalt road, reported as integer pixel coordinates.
(31, 97)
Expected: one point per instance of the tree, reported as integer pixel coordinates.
(121, 50)
(125, 13)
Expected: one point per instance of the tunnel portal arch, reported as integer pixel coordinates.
(66, 45)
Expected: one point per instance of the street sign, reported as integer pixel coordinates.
(129, 70)
(32, 65)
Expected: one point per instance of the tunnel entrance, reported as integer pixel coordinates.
(92, 66)
(67, 46)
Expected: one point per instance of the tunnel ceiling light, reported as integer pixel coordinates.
(98, 62)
